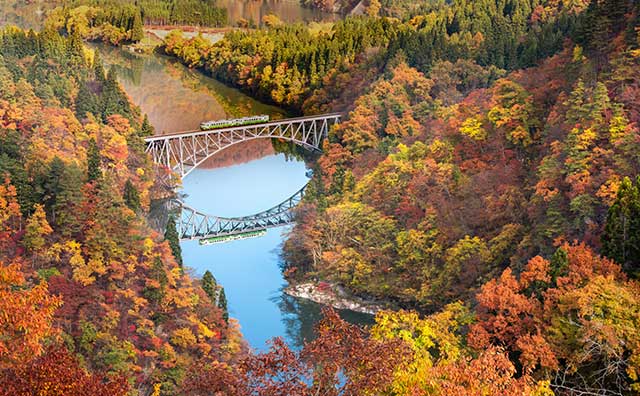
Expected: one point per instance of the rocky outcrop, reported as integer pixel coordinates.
(334, 296)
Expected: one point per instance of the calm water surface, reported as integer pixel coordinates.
(175, 99)
(287, 10)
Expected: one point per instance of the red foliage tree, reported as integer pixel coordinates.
(58, 373)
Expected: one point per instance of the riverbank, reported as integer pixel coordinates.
(154, 36)
(212, 34)
(334, 296)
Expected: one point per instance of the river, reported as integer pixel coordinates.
(31, 14)
(242, 180)
(287, 10)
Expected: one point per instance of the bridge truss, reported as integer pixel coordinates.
(194, 224)
(183, 152)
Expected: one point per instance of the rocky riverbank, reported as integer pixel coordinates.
(334, 296)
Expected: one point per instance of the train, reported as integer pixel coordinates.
(209, 125)
(234, 237)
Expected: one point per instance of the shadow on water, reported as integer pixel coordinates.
(300, 317)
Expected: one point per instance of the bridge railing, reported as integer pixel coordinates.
(198, 132)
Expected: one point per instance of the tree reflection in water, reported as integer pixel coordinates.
(300, 317)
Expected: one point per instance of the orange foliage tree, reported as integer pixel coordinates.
(576, 314)
(26, 312)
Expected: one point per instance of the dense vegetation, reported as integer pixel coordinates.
(286, 64)
(117, 22)
(565, 326)
(282, 63)
(445, 177)
(84, 282)
(500, 203)
(432, 187)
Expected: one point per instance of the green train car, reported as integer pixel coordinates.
(209, 125)
(236, 237)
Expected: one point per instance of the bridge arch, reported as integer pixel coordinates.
(194, 224)
(203, 159)
(185, 151)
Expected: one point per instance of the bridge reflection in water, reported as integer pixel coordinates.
(183, 152)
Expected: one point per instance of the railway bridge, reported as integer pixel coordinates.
(182, 152)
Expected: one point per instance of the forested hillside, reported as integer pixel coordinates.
(498, 140)
(84, 282)
(117, 21)
(485, 179)
(285, 64)
(435, 184)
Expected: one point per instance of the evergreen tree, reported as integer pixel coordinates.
(222, 304)
(67, 218)
(146, 129)
(171, 235)
(93, 162)
(98, 68)
(158, 273)
(131, 196)
(621, 238)
(75, 50)
(114, 101)
(210, 286)
(137, 31)
(558, 264)
(51, 185)
(86, 102)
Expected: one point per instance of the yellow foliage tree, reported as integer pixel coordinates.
(37, 230)
(472, 127)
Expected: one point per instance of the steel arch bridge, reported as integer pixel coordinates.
(194, 224)
(184, 151)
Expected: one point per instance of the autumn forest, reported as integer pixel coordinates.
(483, 186)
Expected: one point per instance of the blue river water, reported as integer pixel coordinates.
(247, 268)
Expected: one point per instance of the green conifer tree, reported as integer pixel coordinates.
(75, 50)
(98, 68)
(94, 173)
(51, 185)
(559, 263)
(171, 235)
(146, 129)
(66, 215)
(131, 196)
(222, 304)
(621, 238)
(210, 286)
(158, 273)
(137, 31)
(86, 102)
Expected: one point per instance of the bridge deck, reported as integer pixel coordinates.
(283, 121)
